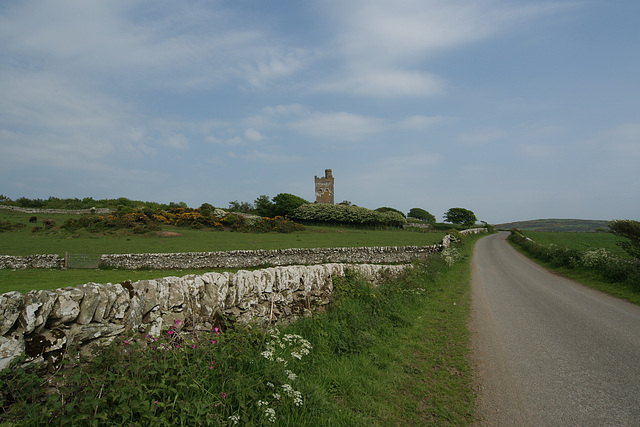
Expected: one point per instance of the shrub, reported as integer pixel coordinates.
(610, 267)
(346, 214)
(10, 226)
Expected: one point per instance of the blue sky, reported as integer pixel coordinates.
(514, 109)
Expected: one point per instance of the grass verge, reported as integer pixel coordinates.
(614, 275)
(391, 355)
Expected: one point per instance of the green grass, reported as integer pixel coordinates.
(393, 355)
(560, 225)
(57, 241)
(579, 241)
(596, 278)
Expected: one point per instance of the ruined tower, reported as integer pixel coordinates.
(324, 188)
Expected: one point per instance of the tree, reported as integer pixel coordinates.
(460, 216)
(244, 207)
(264, 206)
(388, 209)
(421, 214)
(630, 230)
(284, 204)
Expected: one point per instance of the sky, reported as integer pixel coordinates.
(515, 110)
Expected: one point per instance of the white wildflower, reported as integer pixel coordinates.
(270, 413)
(290, 375)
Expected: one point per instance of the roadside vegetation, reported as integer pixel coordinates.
(391, 355)
(598, 260)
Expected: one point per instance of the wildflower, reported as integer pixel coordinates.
(216, 330)
(224, 395)
(276, 396)
(269, 384)
(290, 375)
(126, 342)
(270, 413)
(193, 346)
(213, 341)
(234, 419)
(177, 322)
(262, 403)
(170, 332)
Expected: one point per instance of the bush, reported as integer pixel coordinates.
(345, 214)
(10, 226)
(609, 267)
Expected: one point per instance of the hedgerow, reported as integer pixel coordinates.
(612, 268)
(347, 214)
(145, 220)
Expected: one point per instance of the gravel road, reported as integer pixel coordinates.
(549, 351)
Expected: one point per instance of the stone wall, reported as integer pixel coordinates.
(243, 259)
(57, 211)
(31, 261)
(43, 324)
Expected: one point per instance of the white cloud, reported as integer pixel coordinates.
(420, 123)
(286, 110)
(386, 83)
(253, 135)
(258, 156)
(236, 140)
(339, 126)
(482, 136)
(174, 140)
(382, 43)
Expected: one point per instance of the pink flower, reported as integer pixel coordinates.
(193, 346)
(213, 341)
(170, 332)
(126, 342)
(177, 321)
(224, 395)
(216, 330)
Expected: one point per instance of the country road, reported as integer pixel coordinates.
(548, 351)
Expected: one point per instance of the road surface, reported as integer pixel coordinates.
(549, 351)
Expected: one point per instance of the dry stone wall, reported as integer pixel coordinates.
(57, 211)
(43, 324)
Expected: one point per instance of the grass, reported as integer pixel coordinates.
(579, 241)
(57, 241)
(392, 355)
(609, 276)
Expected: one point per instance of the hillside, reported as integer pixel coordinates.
(586, 225)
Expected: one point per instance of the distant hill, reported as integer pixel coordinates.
(587, 225)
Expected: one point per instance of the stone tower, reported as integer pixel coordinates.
(324, 188)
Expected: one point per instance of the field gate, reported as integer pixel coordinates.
(81, 260)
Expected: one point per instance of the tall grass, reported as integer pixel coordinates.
(390, 355)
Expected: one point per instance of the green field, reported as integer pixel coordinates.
(614, 274)
(57, 241)
(579, 241)
(585, 225)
